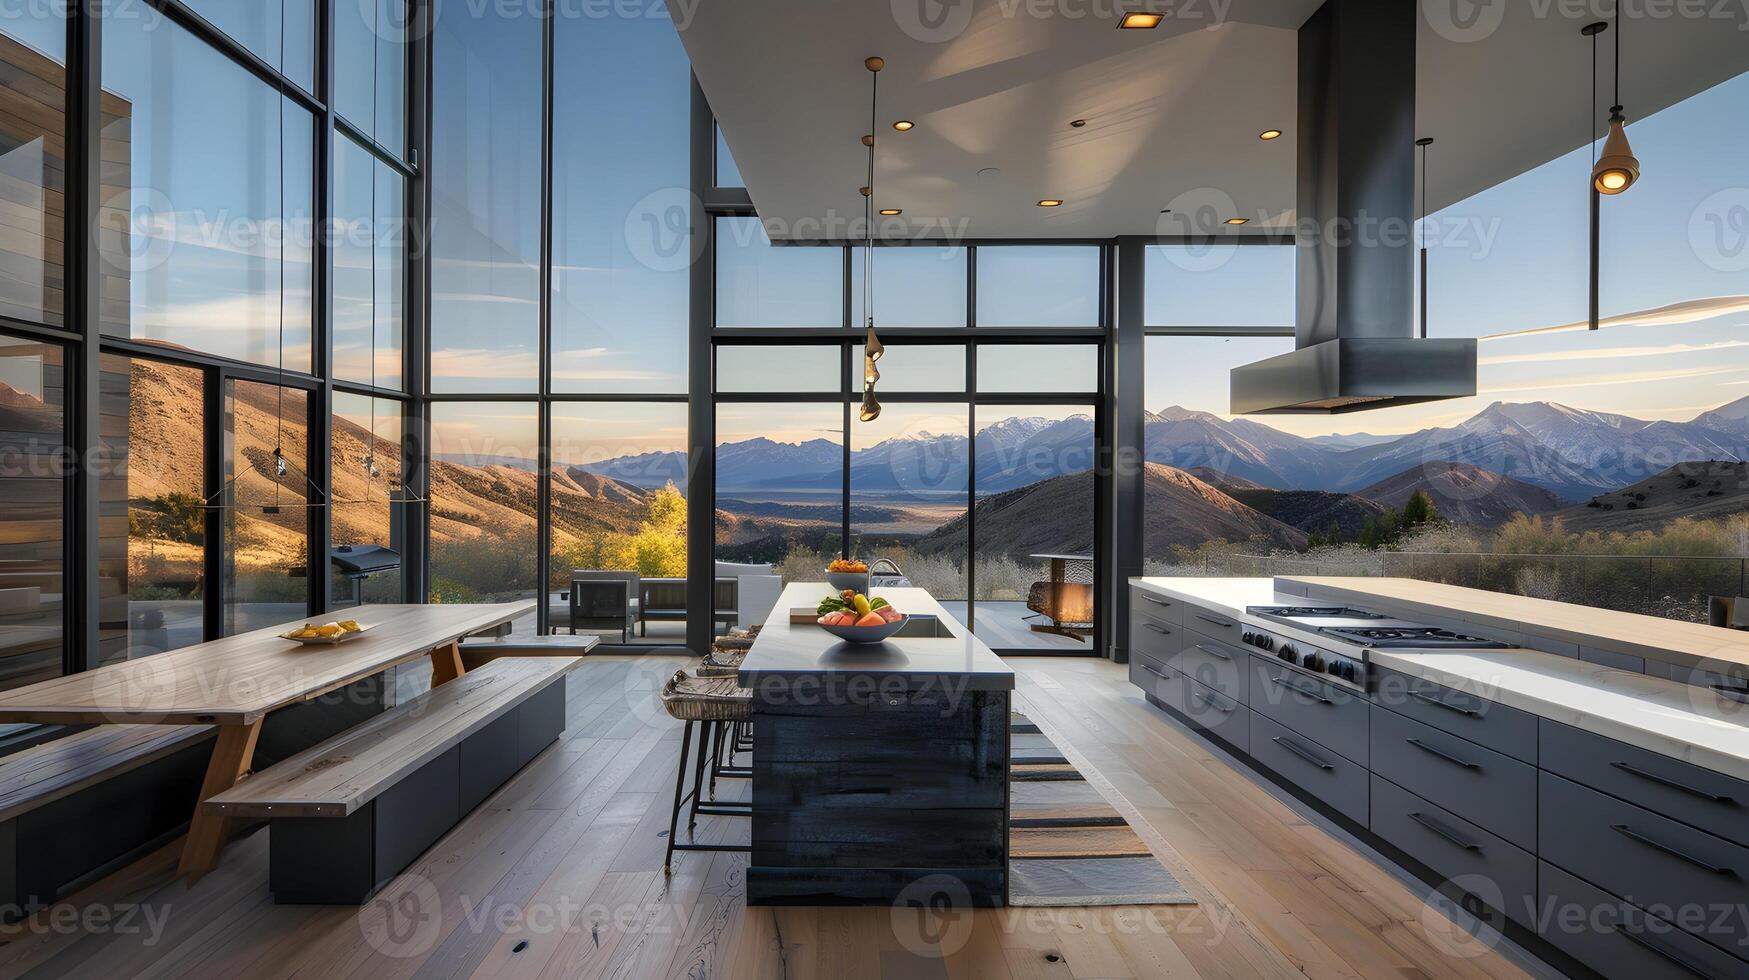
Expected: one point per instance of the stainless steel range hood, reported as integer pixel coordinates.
(1355, 340)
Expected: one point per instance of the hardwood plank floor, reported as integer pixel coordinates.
(559, 875)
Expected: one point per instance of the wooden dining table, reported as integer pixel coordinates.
(235, 683)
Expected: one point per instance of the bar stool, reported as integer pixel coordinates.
(711, 703)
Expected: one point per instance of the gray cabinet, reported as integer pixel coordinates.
(1501, 728)
(1617, 939)
(1478, 784)
(1156, 639)
(1678, 790)
(1154, 606)
(1215, 625)
(1340, 783)
(1650, 860)
(1214, 665)
(1217, 714)
(1335, 716)
(1501, 875)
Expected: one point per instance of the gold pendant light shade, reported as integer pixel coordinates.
(1617, 168)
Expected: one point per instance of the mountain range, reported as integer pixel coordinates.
(1570, 453)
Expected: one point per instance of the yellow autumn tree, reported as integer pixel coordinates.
(656, 550)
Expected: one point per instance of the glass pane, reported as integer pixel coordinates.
(370, 267)
(33, 57)
(1018, 368)
(1220, 285)
(279, 32)
(267, 517)
(908, 494)
(1034, 527)
(780, 487)
(914, 287)
(915, 367)
(619, 505)
(366, 479)
(773, 367)
(762, 285)
(728, 175)
(370, 68)
(622, 208)
(1038, 286)
(206, 236)
(32, 491)
(483, 493)
(154, 521)
(486, 202)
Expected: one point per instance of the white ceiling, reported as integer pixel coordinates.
(1172, 114)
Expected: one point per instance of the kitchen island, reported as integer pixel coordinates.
(878, 770)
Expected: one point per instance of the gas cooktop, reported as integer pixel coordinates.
(1409, 636)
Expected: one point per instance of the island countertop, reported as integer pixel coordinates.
(784, 652)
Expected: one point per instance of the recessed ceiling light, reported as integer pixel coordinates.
(1077, 123)
(904, 125)
(1139, 20)
(1050, 202)
(1238, 221)
(1269, 134)
(892, 211)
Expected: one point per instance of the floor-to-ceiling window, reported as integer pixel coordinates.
(32, 518)
(977, 480)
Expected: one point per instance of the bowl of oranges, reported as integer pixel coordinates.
(326, 633)
(848, 573)
(855, 618)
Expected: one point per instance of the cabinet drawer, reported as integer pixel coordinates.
(1678, 790)
(1492, 869)
(1483, 722)
(1150, 676)
(1213, 665)
(1339, 783)
(1334, 716)
(1217, 714)
(1650, 860)
(1480, 785)
(1161, 609)
(1618, 940)
(1210, 623)
(1157, 639)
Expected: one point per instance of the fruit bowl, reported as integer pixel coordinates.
(333, 640)
(854, 581)
(866, 634)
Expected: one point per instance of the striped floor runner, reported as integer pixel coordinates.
(1066, 844)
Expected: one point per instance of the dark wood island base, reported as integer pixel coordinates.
(880, 774)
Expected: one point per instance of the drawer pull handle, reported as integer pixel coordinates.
(1442, 704)
(1444, 831)
(1305, 754)
(1211, 702)
(1211, 651)
(1652, 947)
(1667, 781)
(1443, 754)
(1300, 690)
(1144, 665)
(1156, 600)
(1223, 624)
(1658, 845)
(1163, 631)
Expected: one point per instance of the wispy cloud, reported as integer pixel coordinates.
(1628, 377)
(1610, 353)
(1687, 311)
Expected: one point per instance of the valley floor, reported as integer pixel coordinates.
(559, 874)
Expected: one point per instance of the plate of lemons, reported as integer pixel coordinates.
(327, 633)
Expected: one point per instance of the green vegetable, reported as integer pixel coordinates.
(877, 603)
(831, 604)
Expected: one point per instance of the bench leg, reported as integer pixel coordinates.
(232, 753)
(446, 664)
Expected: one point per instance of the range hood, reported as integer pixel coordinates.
(1355, 343)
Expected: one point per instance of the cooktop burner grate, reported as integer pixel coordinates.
(1311, 612)
(1409, 636)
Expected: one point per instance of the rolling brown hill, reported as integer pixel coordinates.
(1465, 494)
(1702, 490)
(1056, 515)
(1312, 511)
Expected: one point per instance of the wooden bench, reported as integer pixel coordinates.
(351, 813)
(477, 651)
(78, 807)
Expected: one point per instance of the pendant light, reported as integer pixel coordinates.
(872, 350)
(1617, 169)
(1424, 142)
(1596, 197)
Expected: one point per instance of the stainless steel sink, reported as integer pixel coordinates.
(923, 628)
